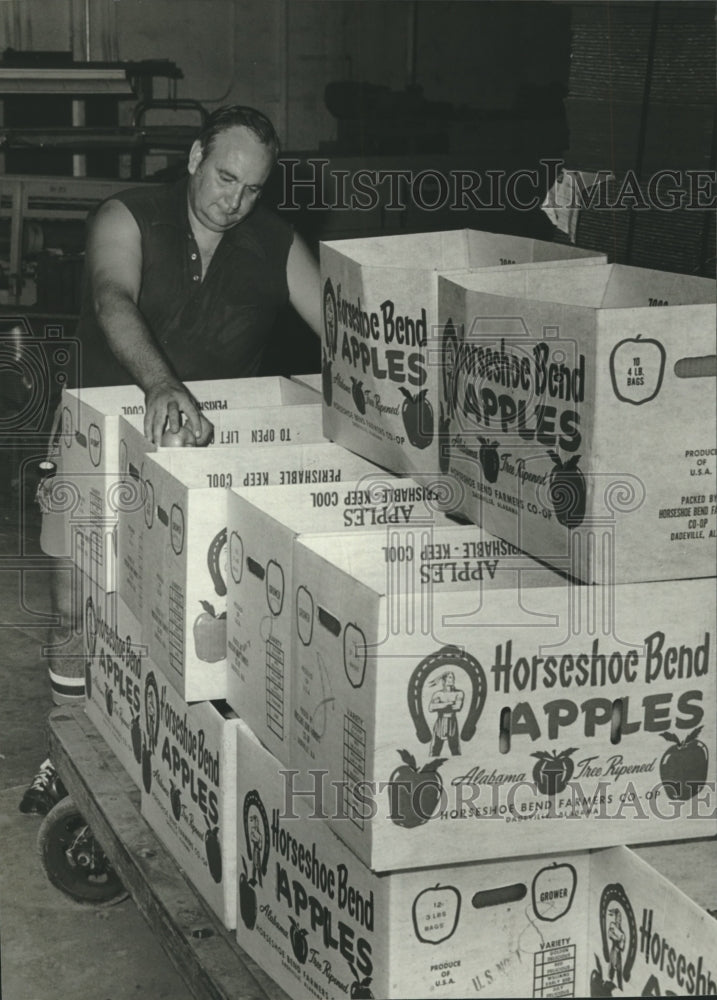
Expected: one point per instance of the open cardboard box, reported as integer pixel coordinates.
(381, 360)
(250, 426)
(559, 925)
(470, 702)
(580, 416)
(88, 486)
(262, 524)
(186, 553)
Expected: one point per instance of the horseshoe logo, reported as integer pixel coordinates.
(448, 658)
(614, 897)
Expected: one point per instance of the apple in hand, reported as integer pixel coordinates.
(247, 899)
(183, 438)
(684, 766)
(414, 794)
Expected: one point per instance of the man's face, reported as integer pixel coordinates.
(225, 185)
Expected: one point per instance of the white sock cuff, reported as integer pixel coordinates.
(66, 689)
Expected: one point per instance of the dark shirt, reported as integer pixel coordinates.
(218, 327)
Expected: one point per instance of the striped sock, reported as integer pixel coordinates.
(67, 690)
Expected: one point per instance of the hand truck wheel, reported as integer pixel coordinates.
(74, 861)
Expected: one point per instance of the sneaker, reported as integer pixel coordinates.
(44, 792)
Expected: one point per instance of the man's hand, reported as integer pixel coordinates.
(164, 406)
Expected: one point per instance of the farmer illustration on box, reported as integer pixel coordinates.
(616, 937)
(446, 703)
(256, 841)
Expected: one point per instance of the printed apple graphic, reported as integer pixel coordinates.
(636, 368)
(414, 794)
(247, 898)
(148, 503)
(213, 850)
(553, 891)
(354, 655)
(136, 735)
(274, 587)
(553, 770)
(600, 987)
(210, 634)
(567, 490)
(360, 987)
(236, 556)
(684, 766)
(417, 415)
(327, 379)
(146, 768)
(214, 553)
(299, 944)
(176, 529)
(94, 435)
(109, 699)
(444, 440)
(90, 627)
(175, 799)
(488, 458)
(357, 394)
(441, 899)
(331, 326)
(304, 615)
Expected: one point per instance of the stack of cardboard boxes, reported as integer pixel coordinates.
(397, 702)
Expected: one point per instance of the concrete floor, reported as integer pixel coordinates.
(52, 947)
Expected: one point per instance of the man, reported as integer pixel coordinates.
(616, 937)
(446, 703)
(182, 281)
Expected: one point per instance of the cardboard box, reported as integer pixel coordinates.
(312, 380)
(324, 925)
(186, 552)
(245, 427)
(582, 416)
(646, 937)
(262, 525)
(115, 669)
(474, 704)
(189, 774)
(87, 486)
(381, 363)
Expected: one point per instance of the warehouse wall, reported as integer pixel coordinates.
(279, 54)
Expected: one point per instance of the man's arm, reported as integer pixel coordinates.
(302, 275)
(114, 260)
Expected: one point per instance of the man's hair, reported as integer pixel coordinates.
(232, 115)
